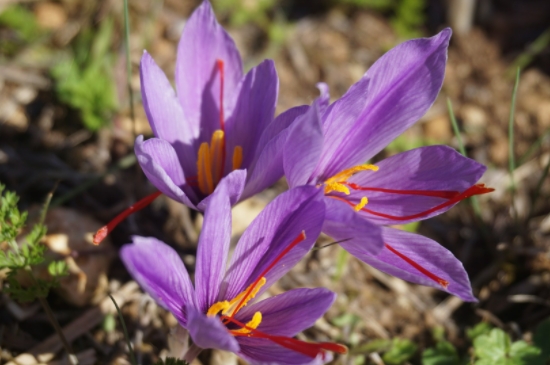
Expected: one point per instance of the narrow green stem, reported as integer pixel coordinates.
(129, 64)
(511, 157)
(130, 349)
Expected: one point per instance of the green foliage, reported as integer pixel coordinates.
(19, 259)
(408, 18)
(171, 361)
(541, 339)
(241, 12)
(380, 5)
(400, 351)
(22, 21)
(444, 353)
(85, 81)
(481, 328)
(496, 348)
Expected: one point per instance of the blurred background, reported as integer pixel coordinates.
(66, 126)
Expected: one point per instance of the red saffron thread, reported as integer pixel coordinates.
(306, 348)
(444, 283)
(297, 240)
(105, 230)
(471, 191)
(445, 194)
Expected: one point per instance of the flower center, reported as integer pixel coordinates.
(339, 183)
(230, 308)
(211, 157)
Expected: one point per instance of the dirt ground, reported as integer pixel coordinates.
(505, 250)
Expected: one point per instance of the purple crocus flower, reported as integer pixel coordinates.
(329, 145)
(219, 311)
(219, 121)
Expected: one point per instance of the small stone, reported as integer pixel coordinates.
(474, 117)
(438, 129)
(24, 94)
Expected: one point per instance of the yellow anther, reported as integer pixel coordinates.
(347, 173)
(217, 157)
(235, 304)
(252, 324)
(204, 169)
(336, 186)
(237, 157)
(361, 204)
(217, 308)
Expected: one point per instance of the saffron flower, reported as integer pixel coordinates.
(329, 145)
(220, 310)
(219, 121)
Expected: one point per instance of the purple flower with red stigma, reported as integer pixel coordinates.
(220, 311)
(328, 147)
(219, 121)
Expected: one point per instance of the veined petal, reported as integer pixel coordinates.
(253, 112)
(278, 225)
(289, 313)
(258, 351)
(303, 147)
(160, 272)
(202, 44)
(159, 162)
(394, 93)
(165, 114)
(213, 248)
(267, 166)
(234, 185)
(427, 262)
(342, 223)
(420, 171)
(209, 332)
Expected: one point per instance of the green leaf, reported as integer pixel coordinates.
(400, 351)
(443, 353)
(542, 340)
(496, 348)
(480, 329)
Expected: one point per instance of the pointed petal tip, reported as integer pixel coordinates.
(445, 34)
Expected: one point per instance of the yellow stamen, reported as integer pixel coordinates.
(229, 308)
(217, 147)
(204, 169)
(237, 157)
(217, 307)
(361, 204)
(347, 173)
(336, 186)
(252, 324)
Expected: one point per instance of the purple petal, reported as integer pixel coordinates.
(202, 44)
(303, 147)
(344, 224)
(234, 185)
(254, 111)
(434, 169)
(258, 351)
(159, 162)
(324, 97)
(209, 332)
(394, 93)
(160, 272)
(267, 167)
(278, 225)
(289, 313)
(434, 259)
(213, 248)
(165, 114)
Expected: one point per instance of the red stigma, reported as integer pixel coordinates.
(220, 65)
(310, 349)
(453, 198)
(105, 230)
(444, 283)
(297, 240)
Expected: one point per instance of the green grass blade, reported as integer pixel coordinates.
(511, 158)
(129, 64)
(130, 349)
(473, 200)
